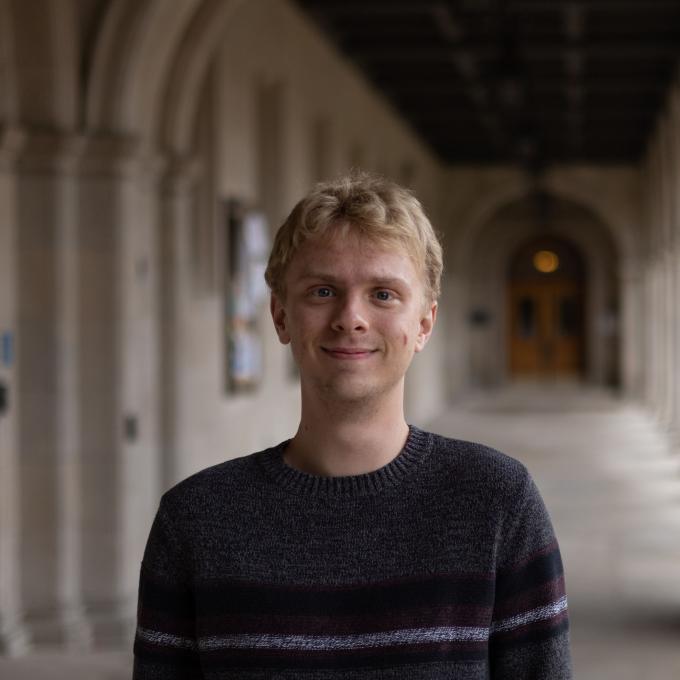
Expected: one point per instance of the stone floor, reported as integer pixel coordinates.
(613, 490)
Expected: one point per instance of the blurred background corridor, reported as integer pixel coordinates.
(149, 149)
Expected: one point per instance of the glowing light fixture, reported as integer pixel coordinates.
(546, 261)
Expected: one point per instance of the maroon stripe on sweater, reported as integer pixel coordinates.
(166, 623)
(531, 598)
(347, 587)
(321, 625)
(521, 564)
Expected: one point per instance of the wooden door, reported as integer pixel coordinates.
(546, 327)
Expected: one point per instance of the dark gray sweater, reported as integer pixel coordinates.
(441, 565)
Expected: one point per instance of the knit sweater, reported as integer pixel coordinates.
(441, 564)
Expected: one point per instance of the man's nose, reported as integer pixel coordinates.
(350, 314)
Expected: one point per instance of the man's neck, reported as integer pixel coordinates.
(334, 442)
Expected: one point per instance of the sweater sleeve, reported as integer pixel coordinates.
(165, 644)
(530, 627)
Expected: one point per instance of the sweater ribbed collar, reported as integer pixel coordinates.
(417, 447)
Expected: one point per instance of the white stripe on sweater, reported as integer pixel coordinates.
(547, 611)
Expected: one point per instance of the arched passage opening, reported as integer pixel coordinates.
(546, 297)
(507, 295)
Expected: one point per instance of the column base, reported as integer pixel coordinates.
(14, 639)
(112, 627)
(63, 629)
(673, 434)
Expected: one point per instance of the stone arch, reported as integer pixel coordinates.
(598, 191)
(485, 282)
(502, 191)
(9, 105)
(189, 69)
(134, 52)
(39, 63)
(149, 66)
(613, 194)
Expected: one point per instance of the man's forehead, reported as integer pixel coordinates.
(376, 260)
(339, 242)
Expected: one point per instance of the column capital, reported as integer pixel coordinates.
(118, 155)
(12, 139)
(89, 155)
(181, 175)
(49, 151)
(630, 269)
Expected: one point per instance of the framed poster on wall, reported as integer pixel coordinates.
(245, 291)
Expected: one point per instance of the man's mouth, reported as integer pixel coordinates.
(349, 352)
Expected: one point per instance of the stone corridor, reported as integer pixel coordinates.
(612, 486)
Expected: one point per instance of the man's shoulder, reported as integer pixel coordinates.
(239, 473)
(480, 464)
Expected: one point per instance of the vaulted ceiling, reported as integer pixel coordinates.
(529, 81)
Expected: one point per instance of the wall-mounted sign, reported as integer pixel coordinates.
(479, 316)
(4, 398)
(7, 348)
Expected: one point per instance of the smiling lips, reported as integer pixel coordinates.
(348, 352)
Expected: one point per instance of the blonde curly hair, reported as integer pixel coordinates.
(372, 206)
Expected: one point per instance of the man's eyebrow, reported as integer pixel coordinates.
(377, 280)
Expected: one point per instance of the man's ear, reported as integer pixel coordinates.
(426, 326)
(280, 319)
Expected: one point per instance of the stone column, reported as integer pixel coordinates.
(177, 213)
(676, 348)
(649, 327)
(48, 371)
(665, 256)
(119, 377)
(13, 637)
(647, 319)
(674, 261)
(460, 345)
(632, 348)
(655, 263)
(656, 292)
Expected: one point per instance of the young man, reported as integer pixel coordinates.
(363, 547)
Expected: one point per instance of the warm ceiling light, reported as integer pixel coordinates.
(546, 261)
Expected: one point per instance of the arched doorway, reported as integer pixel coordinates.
(546, 298)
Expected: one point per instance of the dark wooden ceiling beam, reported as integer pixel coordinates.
(574, 68)
(612, 6)
(520, 80)
(556, 118)
(490, 50)
(611, 132)
(404, 7)
(602, 86)
(451, 29)
(370, 7)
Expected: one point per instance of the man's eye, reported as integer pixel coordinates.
(384, 295)
(323, 292)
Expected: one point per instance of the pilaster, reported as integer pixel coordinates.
(48, 374)
(655, 292)
(666, 266)
(674, 260)
(13, 635)
(120, 373)
(178, 196)
(631, 285)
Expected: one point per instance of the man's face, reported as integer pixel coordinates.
(354, 313)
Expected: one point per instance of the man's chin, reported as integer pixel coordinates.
(353, 392)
